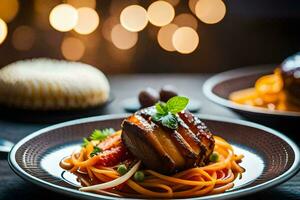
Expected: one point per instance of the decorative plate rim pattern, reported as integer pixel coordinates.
(232, 194)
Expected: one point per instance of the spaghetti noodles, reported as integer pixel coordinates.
(214, 178)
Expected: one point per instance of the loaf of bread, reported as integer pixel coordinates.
(48, 84)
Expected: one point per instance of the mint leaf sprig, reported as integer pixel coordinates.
(166, 112)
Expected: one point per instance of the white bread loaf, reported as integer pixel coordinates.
(48, 84)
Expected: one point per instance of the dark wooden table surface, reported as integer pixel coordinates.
(13, 187)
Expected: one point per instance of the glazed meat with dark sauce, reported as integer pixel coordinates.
(167, 150)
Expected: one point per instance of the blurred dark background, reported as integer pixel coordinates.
(252, 32)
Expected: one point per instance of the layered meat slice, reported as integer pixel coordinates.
(201, 131)
(167, 150)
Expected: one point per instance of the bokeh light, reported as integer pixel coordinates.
(186, 19)
(82, 3)
(88, 21)
(160, 13)
(122, 38)
(23, 38)
(63, 17)
(210, 11)
(124, 19)
(134, 18)
(165, 35)
(72, 48)
(108, 26)
(185, 40)
(8, 9)
(3, 30)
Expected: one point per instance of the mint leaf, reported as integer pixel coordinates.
(156, 117)
(161, 108)
(95, 151)
(101, 134)
(169, 121)
(166, 112)
(177, 104)
(85, 142)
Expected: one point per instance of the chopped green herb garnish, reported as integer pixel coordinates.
(122, 169)
(85, 142)
(97, 135)
(101, 134)
(139, 176)
(166, 112)
(214, 157)
(95, 151)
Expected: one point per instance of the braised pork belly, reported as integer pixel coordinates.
(167, 150)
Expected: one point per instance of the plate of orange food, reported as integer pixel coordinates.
(162, 152)
(267, 93)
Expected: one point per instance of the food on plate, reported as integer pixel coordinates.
(150, 96)
(48, 84)
(161, 151)
(277, 91)
(167, 150)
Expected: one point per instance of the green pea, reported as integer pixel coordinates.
(214, 157)
(139, 176)
(122, 169)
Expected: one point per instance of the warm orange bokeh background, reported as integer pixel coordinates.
(220, 34)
